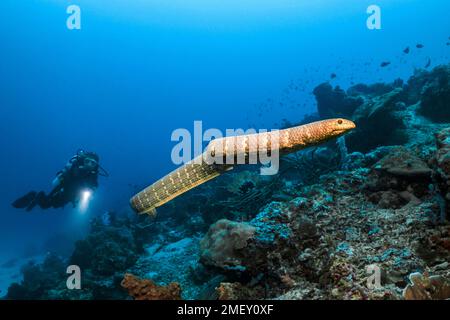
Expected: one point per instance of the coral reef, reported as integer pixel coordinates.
(379, 207)
(106, 252)
(103, 256)
(380, 110)
(38, 279)
(398, 178)
(236, 291)
(442, 164)
(435, 96)
(147, 290)
(175, 258)
(320, 246)
(335, 102)
(402, 109)
(425, 287)
(221, 245)
(365, 217)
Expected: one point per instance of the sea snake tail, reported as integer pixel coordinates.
(174, 184)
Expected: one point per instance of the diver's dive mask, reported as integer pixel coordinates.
(90, 164)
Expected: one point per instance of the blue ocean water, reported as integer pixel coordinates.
(137, 70)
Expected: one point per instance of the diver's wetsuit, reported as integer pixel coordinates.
(80, 173)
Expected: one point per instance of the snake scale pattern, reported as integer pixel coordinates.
(213, 162)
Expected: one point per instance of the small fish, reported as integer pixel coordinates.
(406, 50)
(419, 46)
(448, 43)
(428, 63)
(385, 64)
(333, 75)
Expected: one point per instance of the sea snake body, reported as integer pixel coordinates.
(206, 166)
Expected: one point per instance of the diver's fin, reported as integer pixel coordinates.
(38, 200)
(25, 201)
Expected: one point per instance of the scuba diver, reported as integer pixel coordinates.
(80, 173)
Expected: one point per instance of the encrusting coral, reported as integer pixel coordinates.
(236, 291)
(145, 289)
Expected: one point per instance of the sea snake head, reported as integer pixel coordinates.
(321, 131)
(338, 127)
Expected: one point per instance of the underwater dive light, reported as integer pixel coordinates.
(86, 196)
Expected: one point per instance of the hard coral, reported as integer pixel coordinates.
(434, 246)
(443, 152)
(335, 102)
(220, 246)
(435, 96)
(425, 287)
(398, 178)
(403, 163)
(38, 279)
(270, 223)
(442, 164)
(236, 291)
(378, 110)
(106, 250)
(145, 289)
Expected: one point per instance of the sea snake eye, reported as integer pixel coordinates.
(339, 121)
